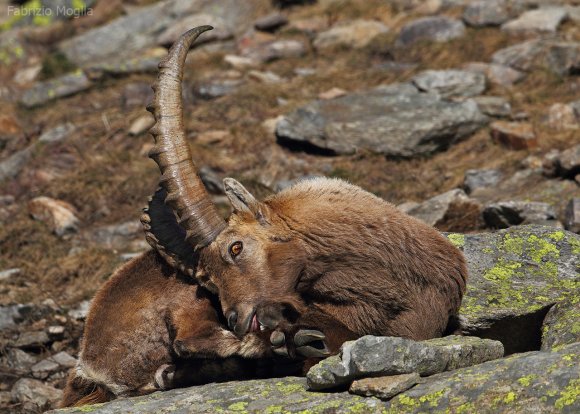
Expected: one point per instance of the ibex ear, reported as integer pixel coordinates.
(241, 199)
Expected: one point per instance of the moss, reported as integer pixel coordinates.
(510, 397)
(407, 401)
(286, 389)
(457, 239)
(527, 380)
(557, 236)
(238, 407)
(274, 409)
(540, 249)
(433, 398)
(569, 395)
(89, 408)
(466, 408)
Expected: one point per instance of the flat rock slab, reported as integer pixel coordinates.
(395, 120)
(45, 92)
(534, 382)
(276, 396)
(517, 272)
(384, 387)
(448, 83)
(486, 13)
(545, 19)
(372, 356)
(434, 29)
(561, 325)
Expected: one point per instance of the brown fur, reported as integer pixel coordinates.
(327, 245)
(145, 316)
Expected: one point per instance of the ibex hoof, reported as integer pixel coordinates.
(164, 377)
(307, 343)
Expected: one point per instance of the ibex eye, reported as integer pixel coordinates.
(236, 248)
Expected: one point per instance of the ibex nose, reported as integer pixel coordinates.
(232, 317)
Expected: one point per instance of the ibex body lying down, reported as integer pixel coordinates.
(322, 254)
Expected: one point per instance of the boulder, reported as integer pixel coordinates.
(514, 135)
(515, 275)
(59, 215)
(495, 73)
(354, 34)
(35, 395)
(435, 29)
(545, 19)
(263, 52)
(19, 360)
(486, 13)
(372, 356)
(562, 117)
(534, 382)
(569, 162)
(561, 325)
(572, 218)
(396, 120)
(271, 22)
(276, 396)
(384, 387)
(475, 179)
(504, 214)
(449, 83)
(63, 86)
(494, 106)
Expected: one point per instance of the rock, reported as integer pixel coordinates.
(442, 210)
(384, 387)
(241, 62)
(57, 214)
(61, 87)
(214, 137)
(27, 75)
(146, 62)
(275, 395)
(15, 163)
(561, 326)
(436, 29)
(551, 163)
(475, 179)
(372, 356)
(14, 314)
(271, 22)
(521, 56)
(20, 360)
(32, 340)
(115, 236)
(494, 106)
(572, 219)
(534, 382)
(569, 162)
(545, 19)
(141, 125)
(44, 368)
(514, 276)
(265, 77)
(274, 50)
(35, 395)
(562, 117)
(9, 273)
(332, 93)
(137, 94)
(514, 135)
(64, 360)
(448, 83)
(512, 213)
(486, 13)
(58, 133)
(9, 127)
(353, 34)
(81, 311)
(216, 88)
(497, 74)
(395, 120)
(408, 206)
(56, 331)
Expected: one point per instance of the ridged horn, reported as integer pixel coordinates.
(186, 194)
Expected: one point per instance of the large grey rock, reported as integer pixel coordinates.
(514, 276)
(396, 120)
(276, 396)
(511, 213)
(34, 395)
(45, 92)
(546, 19)
(354, 34)
(486, 13)
(475, 179)
(13, 314)
(448, 83)
(534, 382)
(561, 325)
(19, 360)
(435, 29)
(372, 356)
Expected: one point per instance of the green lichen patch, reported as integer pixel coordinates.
(458, 240)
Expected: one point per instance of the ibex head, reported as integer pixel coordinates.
(236, 259)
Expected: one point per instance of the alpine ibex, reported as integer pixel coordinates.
(322, 255)
(151, 326)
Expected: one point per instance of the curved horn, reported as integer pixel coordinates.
(186, 194)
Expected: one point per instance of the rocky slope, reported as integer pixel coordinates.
(465, 113)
